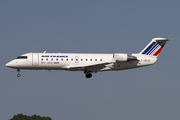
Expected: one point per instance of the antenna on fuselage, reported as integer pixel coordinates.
(44, 52)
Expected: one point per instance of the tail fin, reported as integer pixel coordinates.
(154, 47)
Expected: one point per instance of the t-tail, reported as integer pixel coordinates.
(154, 47)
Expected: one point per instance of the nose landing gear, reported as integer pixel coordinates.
(18, 75)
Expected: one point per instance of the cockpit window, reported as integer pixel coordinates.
(22, 57)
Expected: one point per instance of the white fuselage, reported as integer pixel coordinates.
(75, 62)
(89, 63)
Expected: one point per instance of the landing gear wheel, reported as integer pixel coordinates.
(88, 75)
(18, 75)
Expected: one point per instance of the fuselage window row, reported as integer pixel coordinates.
(71, 59)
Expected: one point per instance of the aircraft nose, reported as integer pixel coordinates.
(11, 64)
(8, 64)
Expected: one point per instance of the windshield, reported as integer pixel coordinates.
(21, 57)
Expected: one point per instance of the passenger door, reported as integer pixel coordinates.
(35, 59)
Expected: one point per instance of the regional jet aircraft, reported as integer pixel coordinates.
(89, 63)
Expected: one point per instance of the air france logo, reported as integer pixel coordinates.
(58, 56)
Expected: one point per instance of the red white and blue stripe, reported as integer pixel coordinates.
(154, 48)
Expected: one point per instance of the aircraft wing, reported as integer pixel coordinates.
(89, 68)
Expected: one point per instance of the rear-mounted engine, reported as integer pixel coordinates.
(123, 57)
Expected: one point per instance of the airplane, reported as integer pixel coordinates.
(89, 63)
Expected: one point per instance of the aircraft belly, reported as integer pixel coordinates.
(52, 66)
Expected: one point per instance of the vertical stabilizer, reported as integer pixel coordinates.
(154, 47)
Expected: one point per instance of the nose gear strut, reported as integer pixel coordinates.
(18, 75)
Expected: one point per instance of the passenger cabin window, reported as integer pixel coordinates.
(21, 57)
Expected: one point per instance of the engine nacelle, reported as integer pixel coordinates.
(121, 57)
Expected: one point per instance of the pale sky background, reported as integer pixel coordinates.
(96, 26)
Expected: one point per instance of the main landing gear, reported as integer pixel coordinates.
(18, 75)
(88, 75)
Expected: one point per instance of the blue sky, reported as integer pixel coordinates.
(90, 27)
